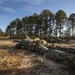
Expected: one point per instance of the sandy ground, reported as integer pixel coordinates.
(23, 62)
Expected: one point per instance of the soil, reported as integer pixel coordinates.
(24, 62)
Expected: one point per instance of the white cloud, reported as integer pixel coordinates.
(7, 9)
(30, 1)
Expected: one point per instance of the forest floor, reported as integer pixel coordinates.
(23, 62)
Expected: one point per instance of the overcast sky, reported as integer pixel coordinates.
(12, 9)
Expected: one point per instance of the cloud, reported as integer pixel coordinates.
(7, 9)
(30, 1)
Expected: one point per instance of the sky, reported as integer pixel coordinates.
(12, 9)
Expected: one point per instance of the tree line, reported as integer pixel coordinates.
(44, 24)
(1, 32)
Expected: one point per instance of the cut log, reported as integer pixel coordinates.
(40, 48)
(67, 50)
(43, 42)
(26, 43)
(60, 57)
(36, 39)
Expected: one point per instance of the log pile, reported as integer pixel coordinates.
(41, 47)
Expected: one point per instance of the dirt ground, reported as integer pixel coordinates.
(23, 62)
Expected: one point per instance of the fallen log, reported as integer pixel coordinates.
(40, 48)
(26, 43)
(43, 42)
(67, 50)
(61, 57)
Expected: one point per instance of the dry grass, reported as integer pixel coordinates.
(4, 36)
(6, 44)
(70, 44)
(23, 62)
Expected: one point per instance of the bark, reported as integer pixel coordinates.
(60, 57)
(67, 50)
(40, 48)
